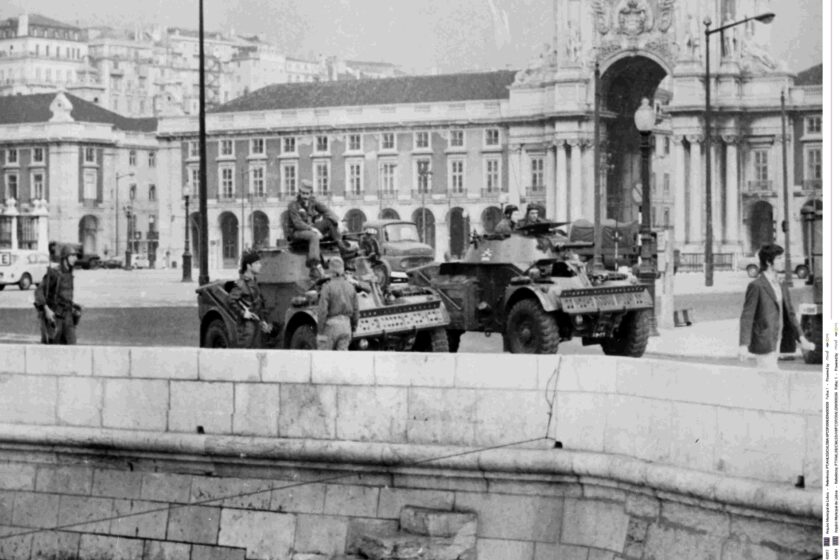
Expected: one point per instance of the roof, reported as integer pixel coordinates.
(812, 76)
(35, 108)
(43, 21)
(382, 91)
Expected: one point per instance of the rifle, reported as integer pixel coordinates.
(255, 317)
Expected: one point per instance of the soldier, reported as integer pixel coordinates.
(248, 302)
(57, 313)
(507, 224)
(532, 216)
(338, 309)
(310, 220)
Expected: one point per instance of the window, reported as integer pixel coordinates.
(814, 159)
(653, 183)
(354, 142)
(226, 184)
(456, 176)
(322, 177)
(37, 186)
(90, 155)
(226, 148)
(152, 193)
(813, 125)
(322, 144)
(89, 189)
(257, 146)
(760, 170)
(491, 137)
(666, 183)
(387, 177)
(289, 145)
(132, 158)
(456, 138)
(421, 140)
(666, 216)
(38, 155)
(388, 142)
(194, 181)
(257, 186)
(354, 178)
(666, 146)
(132, 191)
(491, 175)
(11, 186)
(193, 149)
(152, 159)
(288, 173)
(12, 156)
(537, 173)
(423, 170)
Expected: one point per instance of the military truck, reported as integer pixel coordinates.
(532, 288)
(392, 317)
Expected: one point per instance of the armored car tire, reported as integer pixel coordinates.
(25, 282)
(632, 336)
(216, 335)
(454, 339)
(531, 330)
(434, 340)
(304, 338)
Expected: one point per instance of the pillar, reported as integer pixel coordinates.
(524, 174)
(576, 188)
(680, 222)
(561, 185)
(717, 199)
(588, 182)
(697, 190)
(732, 191)
(13, 216)
(549, 182)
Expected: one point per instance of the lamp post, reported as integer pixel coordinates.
(424, 172)
(645, 119)
(597, 259)
(187, 258)
(786, 219)
(117, 177)
(128, 209)
(707, 140)
(203, 246)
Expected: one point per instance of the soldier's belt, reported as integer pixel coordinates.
(400, 318)
(601, 300)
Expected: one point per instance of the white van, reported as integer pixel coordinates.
(22, 267)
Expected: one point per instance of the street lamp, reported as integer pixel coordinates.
(117, 177)
(707, 141)
(187, 258)
(424, 173)
(786, 219)
(128, 209)
(645, 119)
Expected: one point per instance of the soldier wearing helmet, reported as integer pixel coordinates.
(507, 224)
(248, 303)
(532, 216)
(57, 312)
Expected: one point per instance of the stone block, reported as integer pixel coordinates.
(264, 535)
(17, 476)
(206, 404)
(639, 427)
(230, 365)
(346, 499)
(353, 368)
(287, 366)
(15, 547)
(668, 543)
(298, 498)
(497, 549)
(634, 543)
(64, 480)
(29, 399)
(526, 518)
(762, 465)
(441, 416)
(580, 420)
(586, 373)
(59, 360)
(232, 492)
(49, 545)
(737, 550)
(308, 411)
(604, 493)
(164, 363)
(13, 359)
(80, 401)
(204, 552)
(804, 392)
(559, 487)
(406, 545)
(594, 524)
(7, 501)
(162, 550)
(166, 487)
(256, 409)
(507, 416)
(417, 370)
(111, 361)
(812, 468)
(97, 547)
(193, 524)
(135, 518)
(548, 551)
(696, 518)
(437, 522)
(114, 483)
(453, 481)
(136, 404)
(392, 501)
(496, 371)
(372, 413)
(320, 534)
(84, 514)
(790, 536)
(640, 505)
(693, 435)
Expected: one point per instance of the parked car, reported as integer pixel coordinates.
(22, 267)
(112, 262)
(799, 265)
(89, 261)
(139, 260)
(400, 244)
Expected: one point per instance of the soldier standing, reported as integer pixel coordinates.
(54, 299)
(248, 302)
(338, 309)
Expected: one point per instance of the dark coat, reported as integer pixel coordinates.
(302, 218)
(760, 319)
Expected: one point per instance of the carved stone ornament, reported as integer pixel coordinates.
(61, 109)
(602, 16)
(666, 14)
(634, 17)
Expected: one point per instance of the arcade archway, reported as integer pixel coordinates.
(760, 225)
(230, 240)
(425, 221)
(88, 227)
(459, 230)
(259, 228)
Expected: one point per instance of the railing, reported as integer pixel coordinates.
(763, 187)
(387, 194)
(354, 195)
(490, 193)
(695, 262)
(812, 185)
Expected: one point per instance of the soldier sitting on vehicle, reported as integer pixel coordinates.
(248, 303)
(532, 216)
(507, 224)
(310, 220)
(338, 309)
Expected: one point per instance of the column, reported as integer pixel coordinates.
(548, 181)
(576, 188)
(515, 175)
(697, 190)
(732, 190)
(680, 220)
(561, 186)
(717, 199)
(13, 216)
(588, 182)
(524, 174)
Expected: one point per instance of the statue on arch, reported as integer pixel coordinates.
(691, 40)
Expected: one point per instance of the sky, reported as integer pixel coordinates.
(420, 36)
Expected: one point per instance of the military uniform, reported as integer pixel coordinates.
(301, 218)
(338, 314)
(505, 226)
(247, 293)
(56, 292)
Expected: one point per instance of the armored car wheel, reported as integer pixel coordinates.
(632, 335)
(25, 282)
(216, 335)
(434, 340)
(304, 338)
(812, 356)
(530, 330)
(454, 338)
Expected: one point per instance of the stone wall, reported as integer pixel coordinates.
(240, 454)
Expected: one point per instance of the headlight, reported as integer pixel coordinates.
(363, 344)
